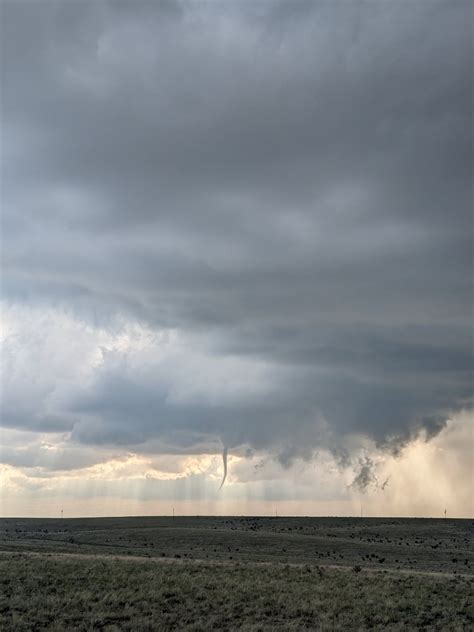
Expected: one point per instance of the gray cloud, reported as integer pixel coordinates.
(64, 459)
(285, 183)
(366, 477)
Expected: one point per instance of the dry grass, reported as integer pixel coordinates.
(74, 593)
(227, 574)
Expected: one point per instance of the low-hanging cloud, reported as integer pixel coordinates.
(277, 198)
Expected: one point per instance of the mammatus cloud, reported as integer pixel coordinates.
(246, 226)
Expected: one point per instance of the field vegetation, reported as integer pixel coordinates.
(236, 573)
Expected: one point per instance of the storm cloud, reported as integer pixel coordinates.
(276, 195)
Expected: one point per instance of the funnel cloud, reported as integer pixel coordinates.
(224, 463)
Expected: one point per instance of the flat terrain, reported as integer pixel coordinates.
(236, 573)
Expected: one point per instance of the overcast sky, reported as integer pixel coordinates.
(241, 225)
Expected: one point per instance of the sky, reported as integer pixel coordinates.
(240, 227)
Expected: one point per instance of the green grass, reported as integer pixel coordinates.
(82, 593)
(162, 573)
(431, 545)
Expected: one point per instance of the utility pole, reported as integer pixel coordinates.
(173, 512)
(61, 513)
(445, 514)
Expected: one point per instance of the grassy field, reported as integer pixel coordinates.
(236, 573)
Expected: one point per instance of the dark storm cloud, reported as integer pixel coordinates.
(287, 418)
(366, 477)
(291, 181)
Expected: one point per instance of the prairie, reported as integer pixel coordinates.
(201, 573)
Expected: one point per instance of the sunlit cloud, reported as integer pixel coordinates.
(436, 472)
